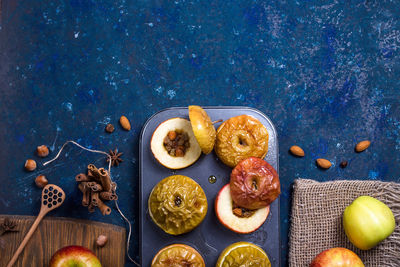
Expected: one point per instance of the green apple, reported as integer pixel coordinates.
(337, 257)
(367, 221)
(74, 256)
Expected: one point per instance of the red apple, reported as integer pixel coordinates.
(72, 256)
(241, 225)
(337, 257)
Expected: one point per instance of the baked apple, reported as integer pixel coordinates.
(177, 204)
(203, 128)
(254, 184)
(239, 138)
(237, 219)
(178, 255)
(174, 145)
(243, 254)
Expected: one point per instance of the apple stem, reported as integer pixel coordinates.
(214, 122)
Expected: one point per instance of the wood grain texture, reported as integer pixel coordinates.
(54, 233)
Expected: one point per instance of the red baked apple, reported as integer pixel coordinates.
(239, 220)
(337, 257)
(72, 256)
(254, 183)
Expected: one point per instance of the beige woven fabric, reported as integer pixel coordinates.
(316, 220)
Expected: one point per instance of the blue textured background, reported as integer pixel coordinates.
(327, 74)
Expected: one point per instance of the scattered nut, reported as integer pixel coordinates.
(110, 128)
(360, 147)
(101, 240)
(30, 165)
(126, 125)
(42, 151)
(297, 151)
(41, 181)
(343, 164)
(324, 163)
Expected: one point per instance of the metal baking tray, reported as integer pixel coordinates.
(210, 238)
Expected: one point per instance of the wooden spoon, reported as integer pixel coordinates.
(52, 197)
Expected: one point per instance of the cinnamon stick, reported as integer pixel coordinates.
(105, 210)
(108, 196)
(81, 178)
(91, 208)
(94, 172)
(94, 186)
(90, 175)
(105, 180)
(86, 194)
(95, 199)
(81, 187)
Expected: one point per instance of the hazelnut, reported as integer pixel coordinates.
(41, 181)
(101, 240)
(42, 151)
(110, 128)
(343, 164)
(30, 165)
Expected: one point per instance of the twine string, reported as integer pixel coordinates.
(115, 201)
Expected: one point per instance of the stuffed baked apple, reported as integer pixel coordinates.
(243, 254)
(177, 204)
(235, 218)
(174, 145)
(178, 255)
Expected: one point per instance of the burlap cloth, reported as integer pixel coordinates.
(316, 220)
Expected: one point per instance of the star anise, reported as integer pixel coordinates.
(7, 226)
(115, 157)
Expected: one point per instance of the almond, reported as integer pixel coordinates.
(324, 163)
(297, 151)
(126, 125)
(360, 147)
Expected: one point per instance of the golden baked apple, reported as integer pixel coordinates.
(203, 128)
(178, 255)
(241, 137)
(177, 204)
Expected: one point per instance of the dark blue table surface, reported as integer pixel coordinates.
(326, 73)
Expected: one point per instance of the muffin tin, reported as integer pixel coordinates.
(210, 238)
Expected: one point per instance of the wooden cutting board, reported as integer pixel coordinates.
(54, 233)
